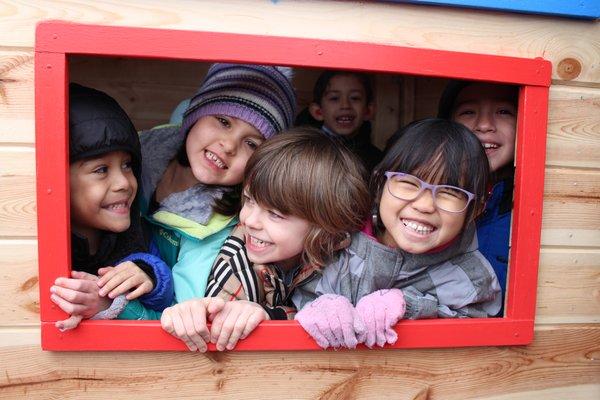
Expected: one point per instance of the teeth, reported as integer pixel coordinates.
(211, 156)
(345, 119)
(258, 242)
(417, 227)
(490, 146)
(117, 206)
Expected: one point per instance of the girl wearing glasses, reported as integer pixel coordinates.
(418, 258)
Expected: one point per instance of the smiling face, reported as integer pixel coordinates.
(417, 226)
(218, 148)
(102, 191)
(491, 113)
(344, 106)
(272, 237)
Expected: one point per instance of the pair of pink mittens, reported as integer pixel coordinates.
(333, 322)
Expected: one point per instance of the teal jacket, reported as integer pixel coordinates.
(185, 231)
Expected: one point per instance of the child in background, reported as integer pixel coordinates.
(420, 260)
(343, 106)
(192, 174)
(105, 162)
(303, 195)
(490, 112)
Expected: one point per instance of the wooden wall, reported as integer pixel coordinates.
(562, 363)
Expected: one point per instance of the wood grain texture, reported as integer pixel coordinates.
(568, 286)
(571, 215)
(573, 127)
(19, 290)
(561, 363)
(17, 192)
(387, 108)
(560, 358)
(406, 25)
(16, 97)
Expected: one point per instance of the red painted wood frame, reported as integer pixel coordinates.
(55, 41)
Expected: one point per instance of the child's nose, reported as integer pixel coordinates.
(425, 202)
(228, 143)
(252, 219)
(120, 181)
(485, 123)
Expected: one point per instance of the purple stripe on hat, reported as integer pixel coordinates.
(246, 114)
(274, 73)
(260, 95)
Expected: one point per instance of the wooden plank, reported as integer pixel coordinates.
(148, 90)
(568, 285)
(17, 192)
(16, 97)
(571, 215)
(400, 24)
(573, 127)
(387, 108)
(572, 183)
(560, 358)
(571, 222)
(575, 392)
(19, 290)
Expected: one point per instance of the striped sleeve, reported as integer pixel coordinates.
(232, 276)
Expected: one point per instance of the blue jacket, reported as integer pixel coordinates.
(185, 231)
(162, 295)
(493, 230)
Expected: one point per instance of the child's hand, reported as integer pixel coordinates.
(380, 311)
(235, 321)
(187, 321)
(332, 321)
(118, 280)
(78, 297)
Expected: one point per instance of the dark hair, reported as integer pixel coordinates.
(326, 76)
(447, 103)
(311, 176)
(439, 151)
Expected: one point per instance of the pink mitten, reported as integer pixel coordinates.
(332, 321)
(380, 311)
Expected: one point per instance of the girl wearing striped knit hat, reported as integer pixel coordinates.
(192, 173)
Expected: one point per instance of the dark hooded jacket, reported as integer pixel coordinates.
(98, 125)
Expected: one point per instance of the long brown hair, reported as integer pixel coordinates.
(306, 174)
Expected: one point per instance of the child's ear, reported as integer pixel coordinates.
(315, 111)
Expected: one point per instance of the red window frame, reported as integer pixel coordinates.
(55, 41)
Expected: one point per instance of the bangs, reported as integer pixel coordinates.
(443, 167)
(273, 186)
(439, 152)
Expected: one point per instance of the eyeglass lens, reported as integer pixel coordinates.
(447, 198)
